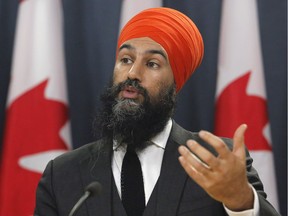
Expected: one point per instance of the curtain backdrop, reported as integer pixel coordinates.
(91, 28)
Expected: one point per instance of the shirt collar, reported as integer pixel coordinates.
(159, 140)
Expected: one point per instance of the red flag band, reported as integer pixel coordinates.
(240, 96)
(37, 127)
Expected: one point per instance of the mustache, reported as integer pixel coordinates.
(134, 83)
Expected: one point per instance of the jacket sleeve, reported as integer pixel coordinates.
(45, 198)
(266, 209)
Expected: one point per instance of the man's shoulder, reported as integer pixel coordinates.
(181, 135)
(82, 153)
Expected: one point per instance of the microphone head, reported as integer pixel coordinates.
(94, 188)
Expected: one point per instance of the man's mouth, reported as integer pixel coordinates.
(130, 92)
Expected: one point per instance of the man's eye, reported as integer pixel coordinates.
(153, 65)
(126, 60)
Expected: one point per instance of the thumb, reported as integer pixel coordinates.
(238, 142)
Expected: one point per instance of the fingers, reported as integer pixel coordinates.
(207, 159)
(238, 140)
(205, 162)
(191, 159)
(190, 164)
(238, 137)
(216, 142)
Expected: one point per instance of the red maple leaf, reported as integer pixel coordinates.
(234, 107)
(33, 124)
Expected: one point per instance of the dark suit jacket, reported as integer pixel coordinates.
(65, 178)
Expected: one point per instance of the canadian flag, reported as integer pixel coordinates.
(240, 94)
(37, 127)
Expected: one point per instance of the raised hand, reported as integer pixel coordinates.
(223, 177)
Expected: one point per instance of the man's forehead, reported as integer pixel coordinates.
(145, 45)
(142, 41)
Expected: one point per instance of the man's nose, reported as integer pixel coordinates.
(135, 71)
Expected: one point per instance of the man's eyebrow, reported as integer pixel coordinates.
(130, 47)
(126, 46)
(160, 52)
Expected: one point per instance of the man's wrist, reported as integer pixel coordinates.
(244, 201)
(254, 211)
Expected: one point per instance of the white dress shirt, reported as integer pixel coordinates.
(151, 161)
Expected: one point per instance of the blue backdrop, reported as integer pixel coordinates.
(91, 29)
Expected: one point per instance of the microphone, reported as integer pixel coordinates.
(94, 188)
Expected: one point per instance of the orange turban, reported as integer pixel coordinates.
(175, 32)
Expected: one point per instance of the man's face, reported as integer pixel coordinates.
(142, 96)
(146, 61)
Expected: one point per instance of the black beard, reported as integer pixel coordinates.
(131, 122)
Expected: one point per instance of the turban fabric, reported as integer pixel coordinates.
(175, 32)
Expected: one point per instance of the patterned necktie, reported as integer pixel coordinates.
(132, 187)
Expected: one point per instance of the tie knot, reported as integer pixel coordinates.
(131, 148)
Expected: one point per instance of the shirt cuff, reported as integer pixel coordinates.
(249, 212)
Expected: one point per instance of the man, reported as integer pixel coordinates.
(147, 164)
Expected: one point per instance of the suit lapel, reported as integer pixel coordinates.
(172, 177)
(168, 190)
(97, 167)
